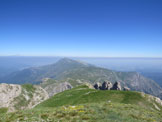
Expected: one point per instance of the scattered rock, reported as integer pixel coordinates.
(90, 92)
(126, 89)
(109, 101)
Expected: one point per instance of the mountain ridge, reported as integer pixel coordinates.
(80, 72)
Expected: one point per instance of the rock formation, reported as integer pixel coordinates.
(106, 85)
(116, 86)
(97, 86)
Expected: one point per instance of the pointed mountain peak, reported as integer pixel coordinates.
(64, 61)
(68, 60)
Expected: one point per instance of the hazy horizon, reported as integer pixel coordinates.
(74, 56)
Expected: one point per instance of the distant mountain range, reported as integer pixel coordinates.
(76, 72)
(148, 67)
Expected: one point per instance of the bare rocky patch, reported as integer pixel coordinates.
(18, 97)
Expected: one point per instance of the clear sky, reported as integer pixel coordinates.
(97, 28)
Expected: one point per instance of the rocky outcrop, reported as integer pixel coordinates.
(7, 95)
(106, 85)
(157, 102)
(39, 95)
(97, 86)
(56, 88)
(17, 97)
(116, 86)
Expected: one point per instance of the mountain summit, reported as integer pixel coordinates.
(70, 63)
(35, 75)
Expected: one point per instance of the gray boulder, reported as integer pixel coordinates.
(106, 85)
(97, 86)
(126, 89)
(116, 86)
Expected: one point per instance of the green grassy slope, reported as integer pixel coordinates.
(84, 104)
(82, 95)
(104, 112)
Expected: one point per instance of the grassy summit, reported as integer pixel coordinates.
(84, 104)
(82, 95)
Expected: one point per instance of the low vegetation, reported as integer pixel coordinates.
(3, 110)
(84, 104)
(103, 112)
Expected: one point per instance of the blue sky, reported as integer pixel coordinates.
(92, 28)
